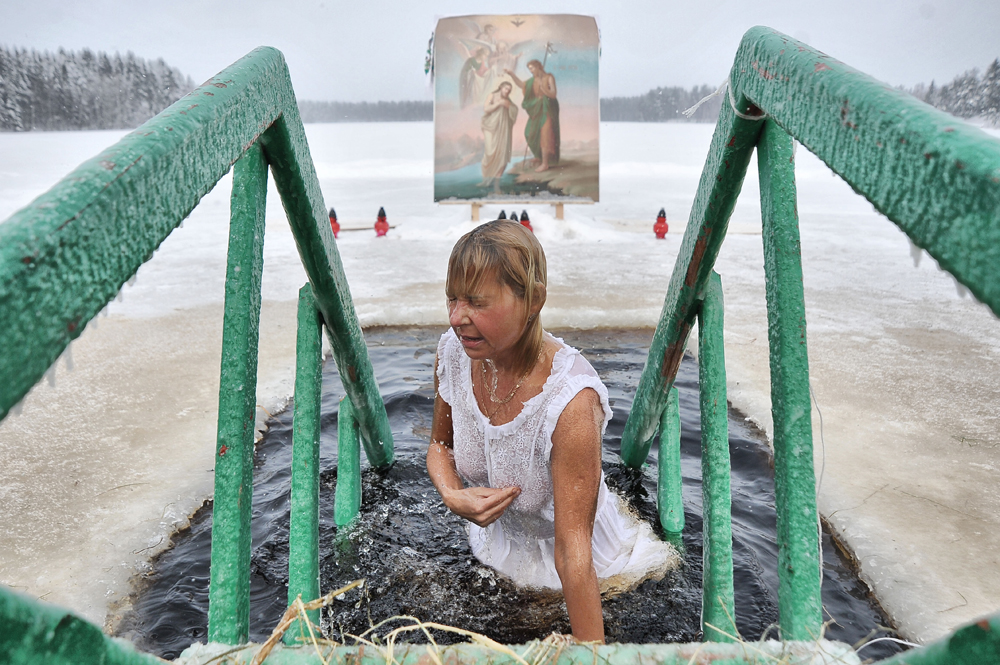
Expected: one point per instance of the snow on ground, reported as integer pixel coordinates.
(101, 468)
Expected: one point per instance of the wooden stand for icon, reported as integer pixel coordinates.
(476, 205)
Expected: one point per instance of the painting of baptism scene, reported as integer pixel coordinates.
(516, 108)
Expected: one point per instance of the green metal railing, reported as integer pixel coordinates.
(937, 178)
(66, 255)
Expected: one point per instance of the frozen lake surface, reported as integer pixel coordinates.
(102, 467)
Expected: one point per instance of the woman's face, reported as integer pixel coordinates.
(488, 323)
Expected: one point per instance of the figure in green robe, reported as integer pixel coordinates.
(542, 129)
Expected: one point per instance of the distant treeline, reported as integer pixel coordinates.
(662, 105)
(83, 90)
(88, 90)
(366, 111)
(969, 95)
(657, 105)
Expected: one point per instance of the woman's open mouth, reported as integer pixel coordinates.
(469, 341)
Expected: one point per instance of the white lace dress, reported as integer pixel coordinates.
(521, 544)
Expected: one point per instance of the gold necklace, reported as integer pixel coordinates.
(491, 387)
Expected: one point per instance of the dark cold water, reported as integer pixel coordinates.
(414, 554)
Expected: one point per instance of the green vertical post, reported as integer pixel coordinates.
(669, 500)
(303, 530)
(799, 575)
(347, 498)
(229, 593)
(717, 605)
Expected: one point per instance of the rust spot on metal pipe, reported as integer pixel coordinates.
(844, 110)
(732, 142)
(353, 373)
(696, 257)
(821, 67)
(764, 73)
(107, 165)
(223, 449)
(210, 94)
(672, 354)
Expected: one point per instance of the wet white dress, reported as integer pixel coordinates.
(521, 544)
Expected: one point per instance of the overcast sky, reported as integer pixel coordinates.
(374, 50)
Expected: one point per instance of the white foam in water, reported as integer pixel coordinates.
(85, 512)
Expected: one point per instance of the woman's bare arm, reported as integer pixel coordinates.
(576, 479)
(481, 505)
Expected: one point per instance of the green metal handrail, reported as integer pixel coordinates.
(67, 254)
(34, 632)
(937, 178)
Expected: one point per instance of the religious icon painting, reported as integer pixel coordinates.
(516, 108)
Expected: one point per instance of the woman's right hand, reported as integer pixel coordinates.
(480, 505)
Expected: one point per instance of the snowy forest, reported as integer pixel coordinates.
(969, 95)
(87, 90)
(83, 90)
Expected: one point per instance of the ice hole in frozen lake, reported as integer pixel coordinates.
(414, 553)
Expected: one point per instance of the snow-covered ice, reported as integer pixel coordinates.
(100, 469)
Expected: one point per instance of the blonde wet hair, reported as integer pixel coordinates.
(509, 253)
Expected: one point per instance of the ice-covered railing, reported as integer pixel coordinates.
(934, 176)
(65, 256)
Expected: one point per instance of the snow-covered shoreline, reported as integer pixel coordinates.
(100, 469)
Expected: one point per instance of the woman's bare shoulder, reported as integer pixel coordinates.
(582, 417)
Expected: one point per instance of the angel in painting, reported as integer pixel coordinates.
(476, 74)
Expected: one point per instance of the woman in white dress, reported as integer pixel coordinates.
(516, 438)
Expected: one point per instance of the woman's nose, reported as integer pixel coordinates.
(457, 314)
